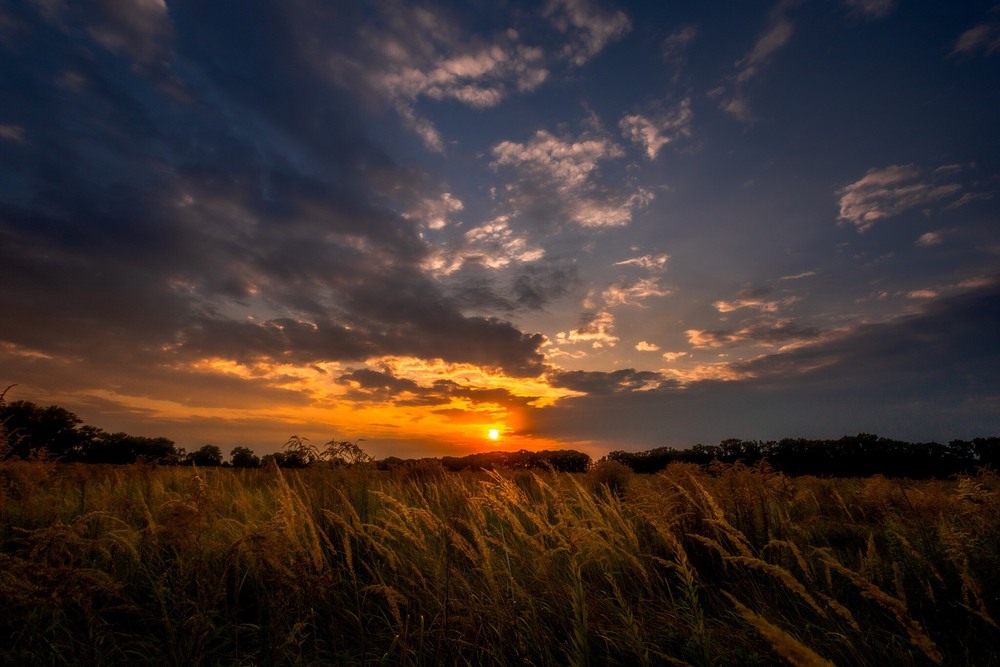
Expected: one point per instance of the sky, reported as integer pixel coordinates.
(582, 224)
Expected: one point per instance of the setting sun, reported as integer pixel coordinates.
(493, 434)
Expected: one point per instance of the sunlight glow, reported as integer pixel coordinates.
(493, 434)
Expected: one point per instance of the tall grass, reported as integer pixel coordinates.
(736, 566)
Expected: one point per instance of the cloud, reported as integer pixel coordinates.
(599, 383)
(738, 107)
(136, 27)
(653, 134)
(799, 276)
(707, 338)
(139, 29)
(566, 162)
(676, 44)
(929, 239)
(888, 192)
(492, 245)
(754, 299)
(406, 52)
(433, 212)
(557, 178)
(254, 225)
(12, 133)
(652, 263)
(368, 384)
(777, 34)
(420, 126)
(871, 9)
(770, 331)
(588, 27)
(633, 292)
(597, 330)
(643, 346)
(947, 342)
(932, 375)
(495, 245)
(983, 38)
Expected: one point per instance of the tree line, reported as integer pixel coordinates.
(29, 431)
(861, 455)
(561, 460)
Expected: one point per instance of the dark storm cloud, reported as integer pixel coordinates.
(766, 330)
(372, 384)
(934, 374)
(950, 344)
(599, 383)
(173, 171)
(535, 287)
(524, 288)
(367, 384)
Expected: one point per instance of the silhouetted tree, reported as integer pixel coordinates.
(124, 448)
(294, 459)
(49, 432)
(563, 460)
(858, 455)
(207, 456)
(244, 457)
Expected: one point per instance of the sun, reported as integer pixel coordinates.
(493, 434)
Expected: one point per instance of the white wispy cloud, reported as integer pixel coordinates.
(704, 338)
(652, 263)
(137, 28)
(589, 28)
(414, 52)
(496, 245)
(799, 276)
(562, 172)
(883, 193)
(633, 293)
(644, 346)
(675, 47)
(778, 333)
(567, 162)
(654, 133)
(12, 132)
(983, 38)
(676, 44)
(755, 303)
(929, 239)
(755, 299)
(420, 126)
(777, 33)
(493, 245)
(969, 197)
(434, 212)
(597, 331)
(872, 9)
(738, 107)
(477, 78)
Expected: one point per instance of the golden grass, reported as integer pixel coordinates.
(739, 566)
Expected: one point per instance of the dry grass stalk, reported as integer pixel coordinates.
(783, 643)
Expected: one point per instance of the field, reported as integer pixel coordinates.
(415, 566)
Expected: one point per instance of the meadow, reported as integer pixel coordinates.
(725, 565)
